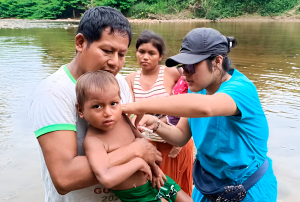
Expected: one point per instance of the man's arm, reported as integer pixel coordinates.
(70, 172)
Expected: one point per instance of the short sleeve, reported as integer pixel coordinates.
(125, 90)
(245, 97)
(50, 112)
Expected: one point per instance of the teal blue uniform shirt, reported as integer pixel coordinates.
(233, 147)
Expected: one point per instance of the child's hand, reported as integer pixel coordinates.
(146, 169)
(159, 180)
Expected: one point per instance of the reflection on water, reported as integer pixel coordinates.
(268, 53)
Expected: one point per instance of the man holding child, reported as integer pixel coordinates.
(102, 41)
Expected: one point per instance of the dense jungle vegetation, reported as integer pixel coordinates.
(209, 9)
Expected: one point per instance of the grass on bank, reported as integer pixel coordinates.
(214, 9)
(145, 9)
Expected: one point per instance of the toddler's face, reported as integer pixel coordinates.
(103, 110)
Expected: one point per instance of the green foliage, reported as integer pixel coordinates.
(146, 7)
(142, 9)
(277, 6)
(297, 10)
(122, 5)
(232, 8)
(250, 6)
(213, 14)
(38, 9)
(200, 13)
(210, 9)
(222, 8)
(177, 5)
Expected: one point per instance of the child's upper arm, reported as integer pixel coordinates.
(135, 131)
(96, 154)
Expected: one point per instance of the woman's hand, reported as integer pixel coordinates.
(147, 121)
(132, 108)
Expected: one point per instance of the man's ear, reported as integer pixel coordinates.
(80, 42)
(79, 110)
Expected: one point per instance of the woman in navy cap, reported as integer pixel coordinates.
(225, 119)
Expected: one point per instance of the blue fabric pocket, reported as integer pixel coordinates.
(224, 190)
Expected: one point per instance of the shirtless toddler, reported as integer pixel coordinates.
(98, 101)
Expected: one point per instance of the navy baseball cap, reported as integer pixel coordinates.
(199, 44)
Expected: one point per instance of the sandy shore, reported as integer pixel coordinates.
(256, 18)
(21, 24)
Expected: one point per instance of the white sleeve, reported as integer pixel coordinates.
(50, 112)
(124, 88)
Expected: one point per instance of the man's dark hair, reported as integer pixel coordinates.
(148, 36)
(96, 19)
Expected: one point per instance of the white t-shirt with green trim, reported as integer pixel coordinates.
(52, 108)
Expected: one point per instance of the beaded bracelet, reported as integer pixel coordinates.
(158, 124)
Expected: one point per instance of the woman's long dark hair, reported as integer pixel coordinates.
(148, 36)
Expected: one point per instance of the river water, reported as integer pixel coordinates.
(268, 53)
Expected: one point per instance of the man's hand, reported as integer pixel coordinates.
(150, 154)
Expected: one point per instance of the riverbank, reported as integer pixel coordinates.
(24, 24)
(69, 23)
